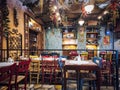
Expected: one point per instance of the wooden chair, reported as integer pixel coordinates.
(73, 54)
(6, 74)
(21, 74)
(61, 66)
(47, 71)
(34, 70)
(90, 77)
(106, 69)
(84, 55)
(58, 73)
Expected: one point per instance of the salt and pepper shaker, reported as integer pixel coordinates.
(79, 57)
(10, 60)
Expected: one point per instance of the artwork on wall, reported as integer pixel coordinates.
(81, 35)
(15, 17)
(106, 40)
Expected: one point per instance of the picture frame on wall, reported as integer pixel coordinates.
(81, 35)
(106, 40)
(15, 18)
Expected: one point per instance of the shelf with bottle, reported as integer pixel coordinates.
(67, 41)
(33, 25)
(69, 46)
(69, 35)
(91, 41)
(92, 35)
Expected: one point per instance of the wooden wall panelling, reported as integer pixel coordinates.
(26, 35)
(33, 36)
(1, 32)
(14, 44)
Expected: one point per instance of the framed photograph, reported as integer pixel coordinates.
(106, 40)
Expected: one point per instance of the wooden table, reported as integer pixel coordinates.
(81, 65)
(3, 64)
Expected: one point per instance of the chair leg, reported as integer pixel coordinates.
(30, 78)
(16, 87)
(94, 85)
(81, 83)
(42, 77)
(90, 82)
(25, 83)
(37, 78)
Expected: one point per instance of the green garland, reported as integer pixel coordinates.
(5, 13)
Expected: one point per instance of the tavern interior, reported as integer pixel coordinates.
(62, 29)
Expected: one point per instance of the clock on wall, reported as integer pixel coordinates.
(15, 17)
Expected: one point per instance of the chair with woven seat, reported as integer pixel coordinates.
(106, 69)
(47, 69)
(34, 70)
(69, 75)
(90, 77)
(61, 65)
(6, 74)
(21, 74)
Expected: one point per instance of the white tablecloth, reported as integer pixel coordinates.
(3, 64)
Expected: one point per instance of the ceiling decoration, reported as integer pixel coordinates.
(68, 12)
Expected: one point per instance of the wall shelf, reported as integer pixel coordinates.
(92, 36)
(69, 41)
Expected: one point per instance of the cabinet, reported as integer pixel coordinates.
(1, 32)
(33, 42)
(69, 42)
(92, 37)
(34, 36)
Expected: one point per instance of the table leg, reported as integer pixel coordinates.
(65, 81)
(78, 78)
(98, 80)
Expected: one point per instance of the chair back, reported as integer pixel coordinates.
(109, 56)
(98, 61)
(35, 66)
(23, 66)
(34, 70)
(21, 72)
(60, 63)
(6, 74)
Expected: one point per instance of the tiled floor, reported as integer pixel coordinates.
(53, 87)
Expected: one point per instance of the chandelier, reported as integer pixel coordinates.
(81, 22)
(89, 6)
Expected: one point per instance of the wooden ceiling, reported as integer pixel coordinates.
(70, 9)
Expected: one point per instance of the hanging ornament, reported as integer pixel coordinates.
(114, 5)
(84, 13)
(41, 2)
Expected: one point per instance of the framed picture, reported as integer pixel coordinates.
(15, 19)
(81, 35)
(106, 40)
